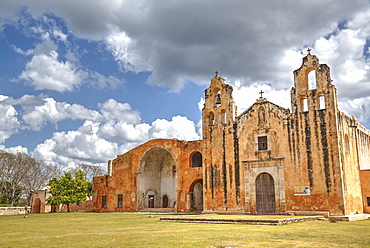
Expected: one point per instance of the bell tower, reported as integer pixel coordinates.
(219, 108)
(313, 93)
(220, 148)
(314, 133)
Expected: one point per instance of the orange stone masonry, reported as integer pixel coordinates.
(312, 159)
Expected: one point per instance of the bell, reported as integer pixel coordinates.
(218, 99)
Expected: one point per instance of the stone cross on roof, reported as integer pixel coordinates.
(309, 51)
(261, 92)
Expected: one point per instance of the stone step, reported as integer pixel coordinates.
(242, 221)
(157, 210)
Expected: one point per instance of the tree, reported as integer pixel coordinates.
(8, 196)
(21, 172)
(89, 170)
(68, 189)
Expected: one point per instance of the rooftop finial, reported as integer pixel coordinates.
(309, 51)
(261, 92)
(216, 73)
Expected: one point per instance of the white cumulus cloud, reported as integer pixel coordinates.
(179, 128)
(46, 72)
(9, 123)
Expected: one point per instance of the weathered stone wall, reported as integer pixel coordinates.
(83, 206)
(223, 185)
(99, 189)
(14, 210)
(159, 169)
(365, 185)
(38, 201)
(263, 119)
(348, 150)
(363, 146)
(313, 143)
(39, 204)
(310, 162)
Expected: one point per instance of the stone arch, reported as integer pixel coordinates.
(217, 97)
(156, 178)
(304, 103)
(321, 101)
(265, 193)
(196, 159)
(196, 190)
(223, 116)
(311, 79)
(36, 206)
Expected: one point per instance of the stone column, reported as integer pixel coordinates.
(189, 201)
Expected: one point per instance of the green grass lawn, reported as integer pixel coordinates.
(141, 230)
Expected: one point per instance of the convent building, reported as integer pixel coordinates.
(310, 159)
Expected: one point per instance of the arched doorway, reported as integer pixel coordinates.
(197, 196)
(165, 201)
(265, 194)
(36, 207)
(157, 179)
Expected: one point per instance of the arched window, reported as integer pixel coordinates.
(196, 159)
(305, 104)
(321, 102)
(312, 80)
(218, 99)
(223, 116)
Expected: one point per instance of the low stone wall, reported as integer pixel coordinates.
(355, 217)
(157, 210)
(14, 210)
(242, 221)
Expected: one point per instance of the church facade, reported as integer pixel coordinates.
(311, 159)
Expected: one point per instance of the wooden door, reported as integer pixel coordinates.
(165, 201)
(265, 194)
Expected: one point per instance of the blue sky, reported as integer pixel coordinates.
(84, 81)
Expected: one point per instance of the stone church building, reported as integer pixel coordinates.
(311, 159)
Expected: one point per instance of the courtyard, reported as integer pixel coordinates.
(80, 229)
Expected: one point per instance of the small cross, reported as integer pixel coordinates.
(261, 92)
(309, 51)
(216, 73)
